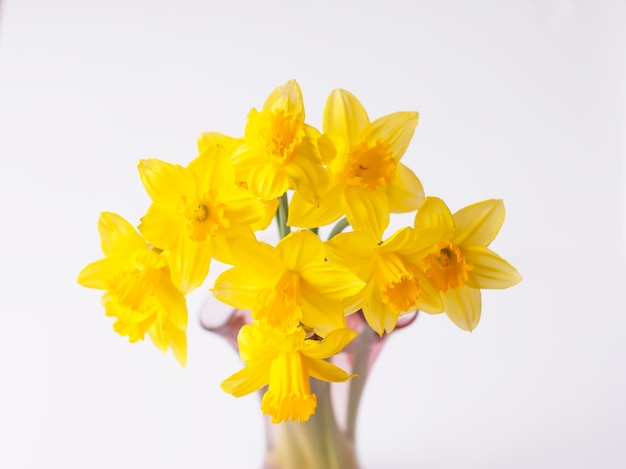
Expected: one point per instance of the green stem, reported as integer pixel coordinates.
(360, 367)
(281, 216)
(339, 227)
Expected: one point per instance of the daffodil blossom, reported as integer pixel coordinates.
(194, 211)
(139, 291)
(395, 285)
(279, 150)
(289, 284)
(462, 264)
(367, 179)
(285, 362)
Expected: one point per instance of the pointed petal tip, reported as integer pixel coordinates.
(84, 278)
(182, 360)
(287, 97)
(143, 164)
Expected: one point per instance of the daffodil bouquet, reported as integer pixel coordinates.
(304, 292)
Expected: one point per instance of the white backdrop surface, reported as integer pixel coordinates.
(523, 101)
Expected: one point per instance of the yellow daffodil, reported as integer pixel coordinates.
(279, 150)
(462, 264)
(194, 212)
(395, 284)
(285, 362)
(139, 291)
(288, 284)
(367, 179)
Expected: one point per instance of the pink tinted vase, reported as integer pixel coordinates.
(327, 439)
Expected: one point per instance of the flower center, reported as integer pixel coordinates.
(200, 212)
(371, 166)
(403, 294)
(284, 135)
(205, 217)
(398, 287)
(447, 267)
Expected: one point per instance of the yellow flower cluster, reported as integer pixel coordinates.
(299, 291)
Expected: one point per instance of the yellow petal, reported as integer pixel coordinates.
(463, 307)
(178, 344)
(300, 249)
(322, 313)
(165, 182)
(396, 129)
(226, 243)
(344, 115)
(288, 98)
(367, 210)
(330, 146)
(247, 380)
(171, 302)
(245, 157)
(332, 344)
(312, 132)
(241, 206)
(375, 310)
(238, 288)
(404, 239)
(189, 263)
(256, 256)
(213, 169)
(164, 335)
(326, 371)
(117, 235)
(434, 212)
(429, 300)
(268, 180)
(255, 344)
(269, 211)
(306, 173)
(305, 215)
(490, 270)
(352, 304)
(155, 332)
(331, 280)
(162, 227)
(355, 250)
(405, 191)
(100, 273)
(413, 244)
(478, 224)
(391, 320)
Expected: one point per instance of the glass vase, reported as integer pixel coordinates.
(327, 439)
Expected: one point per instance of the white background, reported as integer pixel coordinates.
(523, 101)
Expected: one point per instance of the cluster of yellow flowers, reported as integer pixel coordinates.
(299, 291)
